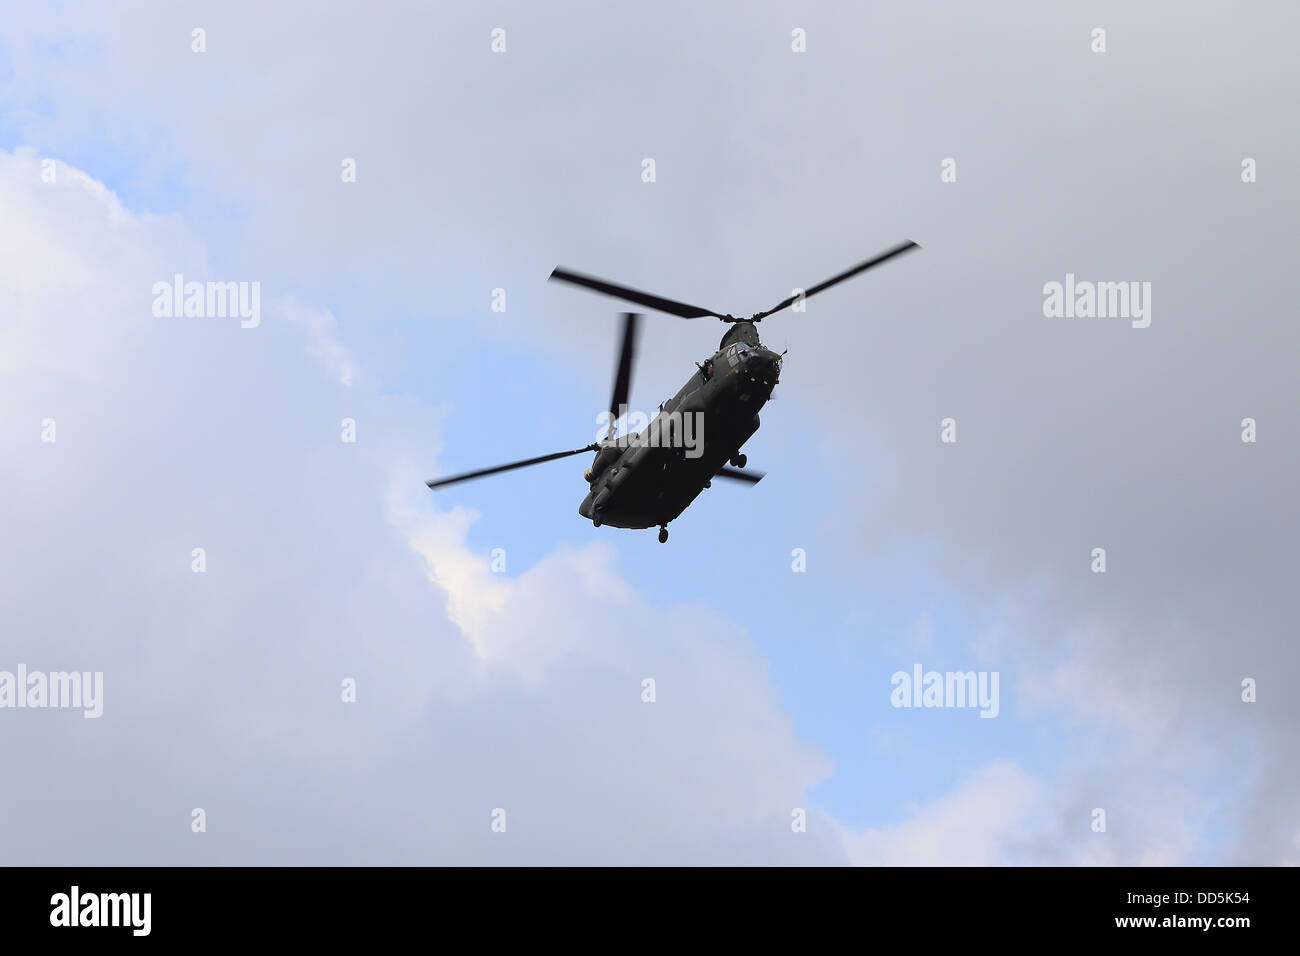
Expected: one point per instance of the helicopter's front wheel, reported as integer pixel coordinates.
(739, 461)
(663, 534)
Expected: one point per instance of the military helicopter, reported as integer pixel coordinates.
(649, 477)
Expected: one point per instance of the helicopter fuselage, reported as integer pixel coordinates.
(647, 479)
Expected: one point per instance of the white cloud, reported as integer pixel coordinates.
(323, 343)
(978, 825)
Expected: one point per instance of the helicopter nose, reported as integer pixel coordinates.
(763, 366)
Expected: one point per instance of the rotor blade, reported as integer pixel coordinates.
(518, 464)
(680, 309)
(735, 474)
(898, 250)
(623, 374)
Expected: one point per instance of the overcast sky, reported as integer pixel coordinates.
(522, 690)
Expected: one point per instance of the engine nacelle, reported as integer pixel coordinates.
(604, 458)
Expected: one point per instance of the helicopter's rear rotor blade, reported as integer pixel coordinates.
(735, 474)
(623, 374)
(483, 472)
(680, 309)
(885, 256)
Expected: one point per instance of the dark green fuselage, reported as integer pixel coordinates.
(649, 484)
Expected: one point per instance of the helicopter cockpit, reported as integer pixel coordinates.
(736, 353)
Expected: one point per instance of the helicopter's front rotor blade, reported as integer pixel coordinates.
(623, 374)
(680, 309)
(735, 474)
(897, 250)
(483, 472)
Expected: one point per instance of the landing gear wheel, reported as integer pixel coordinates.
(708, 484)
(663, 535)
(739, 461)
(595, 522)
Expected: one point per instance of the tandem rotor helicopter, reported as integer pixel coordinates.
(651, 477)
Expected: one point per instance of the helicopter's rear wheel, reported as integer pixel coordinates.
(739, 461)
(663, 534)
